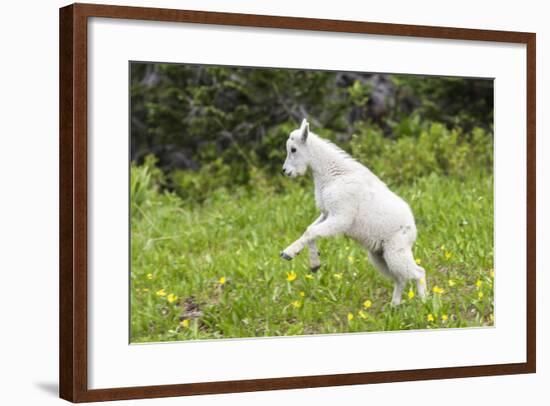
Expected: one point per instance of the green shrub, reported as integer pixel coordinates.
(426, 149)
(417, 150)
(145, 182)
(198, 185)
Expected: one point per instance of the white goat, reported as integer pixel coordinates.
(355, 202)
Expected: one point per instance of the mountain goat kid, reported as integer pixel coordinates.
(355, 202)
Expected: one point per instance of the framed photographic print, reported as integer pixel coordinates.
(201, 153)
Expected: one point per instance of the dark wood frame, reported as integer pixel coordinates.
(73, 362)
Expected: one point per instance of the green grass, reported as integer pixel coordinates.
(183, 251)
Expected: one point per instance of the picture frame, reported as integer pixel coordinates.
(74, 207)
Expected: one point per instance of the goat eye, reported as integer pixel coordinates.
(292, 149)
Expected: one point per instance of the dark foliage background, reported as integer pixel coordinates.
(211, 127)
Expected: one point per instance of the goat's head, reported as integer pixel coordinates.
(297, 153)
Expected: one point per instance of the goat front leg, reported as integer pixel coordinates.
(314, 261)
(333, 225)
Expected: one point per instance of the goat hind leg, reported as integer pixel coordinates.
(380, 263)
(402, 266)
(377, 260)
(397, 291)
(421, 286)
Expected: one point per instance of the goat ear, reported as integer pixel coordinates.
(304, 130)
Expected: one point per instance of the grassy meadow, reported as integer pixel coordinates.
(212, 270)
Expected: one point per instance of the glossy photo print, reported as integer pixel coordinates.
(272, 202)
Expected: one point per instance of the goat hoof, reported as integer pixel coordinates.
(285, 256)
(315, 268)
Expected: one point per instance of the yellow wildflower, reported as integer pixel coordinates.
(451, 283)
(410, 294)
(362, 314)
(492, 273)
(149, 276)
(290, 276)
(184, 323)
(436, 289)
(222, 280)
(431, 317)
(296, 304)
(302, 294)
(367, 303)
(350, 316)
(478, 283)
(418, 261)
(448, 255)
(444, 317)
(480, 295)
(161, 292)
(338, 275)
(171, 298)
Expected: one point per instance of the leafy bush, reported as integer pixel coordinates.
(428, 148)
(453, 101)
(419, 149)
(145, 182)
